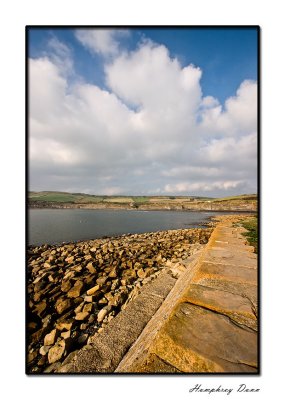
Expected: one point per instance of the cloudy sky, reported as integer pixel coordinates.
(143, 111)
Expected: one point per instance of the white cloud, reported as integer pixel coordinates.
(150, 79)
(151, 132)
(60, 55)
(183, 187)
(101, 41)
(239, 115)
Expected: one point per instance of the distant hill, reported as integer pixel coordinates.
(53, 199)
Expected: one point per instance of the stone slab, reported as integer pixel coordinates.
(198, 340)
(238, 308)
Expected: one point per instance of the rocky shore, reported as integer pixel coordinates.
(75, 290)
(232, 206)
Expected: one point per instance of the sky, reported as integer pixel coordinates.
(143, 111)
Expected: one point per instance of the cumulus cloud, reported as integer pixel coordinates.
(202, 186)
(61, 55)
(101, 41)
(151, 131)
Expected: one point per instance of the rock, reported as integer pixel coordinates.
(91, 319)
(76, 290)
(64, 325)
(65, 335)
(32, 326)
(37, 336)
(62, 305)
(101, 267)
(89, 280)
(149, 271)
(82, 339)
(66, 285)
(93, 290)
(109, 296)
(126, 281)
(77, 268)
(79, 308)
(37, 279)
(40, 308)
(78, 300)
(65, 368)
(31, 356)
(159, 258)
(50, 338)
(105, 248)
(116, 300)
(129, 273)
(88, 299)
(88, 307)
(141, 273)
(42, 361)
(81, 316)
(103, 301)
(101, 280)
(45, 253)
(69, 274)
(113, 273)
(52, 367)
(56, 352)
(70, 357)
(115, 284)
(69, 260)
(44, 350)
(102, 313)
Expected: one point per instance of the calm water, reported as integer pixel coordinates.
(71, 225)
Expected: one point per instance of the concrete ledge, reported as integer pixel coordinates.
(107, 348)
(140, 349)
(208, 323)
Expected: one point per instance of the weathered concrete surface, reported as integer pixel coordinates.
(213, 323)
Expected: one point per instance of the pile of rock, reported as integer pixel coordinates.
(74, 290)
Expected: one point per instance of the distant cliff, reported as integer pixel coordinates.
(208, 205)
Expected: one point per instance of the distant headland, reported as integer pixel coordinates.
(53, 199)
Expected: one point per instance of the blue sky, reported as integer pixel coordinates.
(227, 56)
(173, 110)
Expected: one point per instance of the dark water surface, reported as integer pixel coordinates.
(54, 226)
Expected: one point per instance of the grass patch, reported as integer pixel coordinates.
(242, 197)
(251, 225)
(141, 199)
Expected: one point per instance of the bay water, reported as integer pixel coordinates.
(54, 226)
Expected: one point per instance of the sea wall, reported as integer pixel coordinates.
(209, 321)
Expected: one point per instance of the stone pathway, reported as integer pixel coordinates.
(212, 326)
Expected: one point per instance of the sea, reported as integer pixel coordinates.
(56, 226)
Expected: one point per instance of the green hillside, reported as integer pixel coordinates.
(82, 198)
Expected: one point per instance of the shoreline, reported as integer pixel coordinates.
(75, 289)
(143, 210)
(150, 204)
(205, 225)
